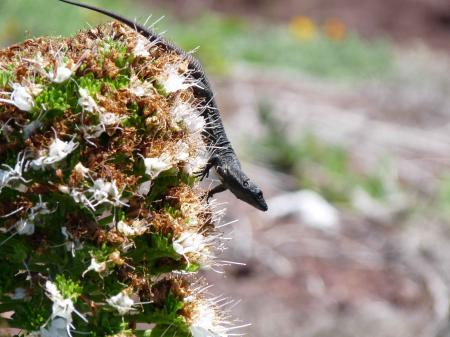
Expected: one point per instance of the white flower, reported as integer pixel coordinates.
(109, 119)
(98, 267)
(154, 166)
(80, 198)
(194, 124)
(21, 97)
(189, 242)
(60, 149)
(25, 227)
(108, 122)
(144, 188)
(33, 126)
(52, 291)
(65, 233)
(38, 63)
(195, 248)
(181, 110)
(122, 303)
(138, 227)
(81, 170)
(103, 189)
(142, 46)
(86, 101)
(196, 163)
(63, 71)
(206, 321)
(71, 244)
(188, 115)
(172, 80)
(64, 189)
(91, 131)
(57, 151)
(101, 192)
(140, 88)
(181, 151)
(62, 307)
(105, 192)
(41, 208)
(58, 327)
(11, 176)
(204, 326)
(5, 178)
(207, 318)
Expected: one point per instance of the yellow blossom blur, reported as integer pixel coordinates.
(303, 28)
(335, 29)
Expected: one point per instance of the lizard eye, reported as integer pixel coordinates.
(245, 184)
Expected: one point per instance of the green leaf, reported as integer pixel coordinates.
(168, 330)
(167, 315)
(5, 78)
(68, 288)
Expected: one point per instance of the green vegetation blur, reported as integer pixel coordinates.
(319, 49)
(315, 164)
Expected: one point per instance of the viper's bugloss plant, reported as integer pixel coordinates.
(102, 224)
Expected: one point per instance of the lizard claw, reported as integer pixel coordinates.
(217, 189)
(202, 174)
(207, 196)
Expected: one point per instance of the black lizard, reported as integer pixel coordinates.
(223, 158)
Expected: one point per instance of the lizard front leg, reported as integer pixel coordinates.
(217, 189)
(212, 162)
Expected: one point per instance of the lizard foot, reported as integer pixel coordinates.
(206, 196)
(213, 161)
(202, 174)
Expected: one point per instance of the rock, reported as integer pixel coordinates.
(308, 206)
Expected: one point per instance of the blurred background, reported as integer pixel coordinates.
(340, 110)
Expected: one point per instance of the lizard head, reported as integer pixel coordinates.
(241, 186)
